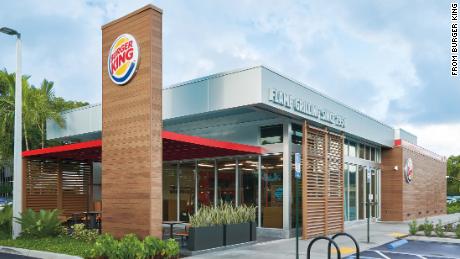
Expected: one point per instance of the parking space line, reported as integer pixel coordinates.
(416, 255)
(381, 254)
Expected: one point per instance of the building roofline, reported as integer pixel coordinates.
(235, 71)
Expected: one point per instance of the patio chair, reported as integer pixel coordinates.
(183, 234)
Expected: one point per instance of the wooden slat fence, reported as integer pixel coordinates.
(51, 184)
(322, 182)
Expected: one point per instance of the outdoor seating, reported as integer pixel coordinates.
(183, 234)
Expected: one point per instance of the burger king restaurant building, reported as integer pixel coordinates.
(148, 154)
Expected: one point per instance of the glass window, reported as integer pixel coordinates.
(368, 153)
(295, 183)
(352, 149)
(361, 189)
(169, 192)
(345, 148)
(206, 183)
(297, 134)
(362, 151)
(352, 192)
(187, 190)
(248, 181)
(345, 208)
(272, 191)
(377, 155)
(271, 134)
(226, 169)
(372, 153)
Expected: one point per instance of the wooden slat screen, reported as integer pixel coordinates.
(75, 186)
(51, 184)
(40, 184)
(322, 182)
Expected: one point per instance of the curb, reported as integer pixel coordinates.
(36, 253)
(434, 239)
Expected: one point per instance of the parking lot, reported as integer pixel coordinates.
(413, 249)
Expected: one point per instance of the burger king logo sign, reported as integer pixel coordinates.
(409, 170)
(123, 59)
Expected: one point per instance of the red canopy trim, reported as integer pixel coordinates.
(175, 147)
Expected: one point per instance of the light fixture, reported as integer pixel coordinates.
(10, 31)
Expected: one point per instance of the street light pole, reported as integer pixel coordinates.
(17, 156)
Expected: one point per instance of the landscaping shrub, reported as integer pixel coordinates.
(225, 213)
(131, 247)
(64, 245)
(171, 249)
(105, 246)
(413, 227)
(80, 232)
(453, 207)
(439, 229)
(457, 230)
(421, 227)
(427, 227)
(40, 224)
(152, 246)
(6, 220)
(449, 227)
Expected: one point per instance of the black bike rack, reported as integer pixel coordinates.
(329, 246)
(347, 235)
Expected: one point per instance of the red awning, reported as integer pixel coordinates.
(175, 147)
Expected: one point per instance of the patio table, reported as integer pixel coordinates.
(171, 225)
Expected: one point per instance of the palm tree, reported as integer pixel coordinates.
(44, 109)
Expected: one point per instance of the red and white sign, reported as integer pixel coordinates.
(123, 59)
(409, 170)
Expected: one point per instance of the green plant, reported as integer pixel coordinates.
(39, 224)
(413, 227)
(421, 227)
(453, 207)
(449, 227)
(130, 247)
(427, 227)
(63, 245)
(457, 230)
(225, 213)
(80, 232)
(439, 229)
(152, 246)
(105, 246)
(171, 249)
(6, 219)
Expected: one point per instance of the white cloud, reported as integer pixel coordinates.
(443, 139)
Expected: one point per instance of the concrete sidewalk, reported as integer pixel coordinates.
(380, 233)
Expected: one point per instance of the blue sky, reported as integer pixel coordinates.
(389, 59)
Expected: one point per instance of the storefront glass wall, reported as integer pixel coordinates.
(226, 187)
(206, 171)
(187, 189)
(169, 191)
(357, 188)
(272, 191)
(237, 182)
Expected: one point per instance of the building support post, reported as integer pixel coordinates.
(259, 190)
(237, 182)
(215, 183)
(195, 172)
(287, 187)
(178, 173)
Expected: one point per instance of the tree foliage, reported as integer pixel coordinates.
(39, 104)
(453, 173)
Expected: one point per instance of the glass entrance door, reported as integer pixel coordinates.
(366, 188)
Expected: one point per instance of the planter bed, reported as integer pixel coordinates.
(237, 233)
(205, 237)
